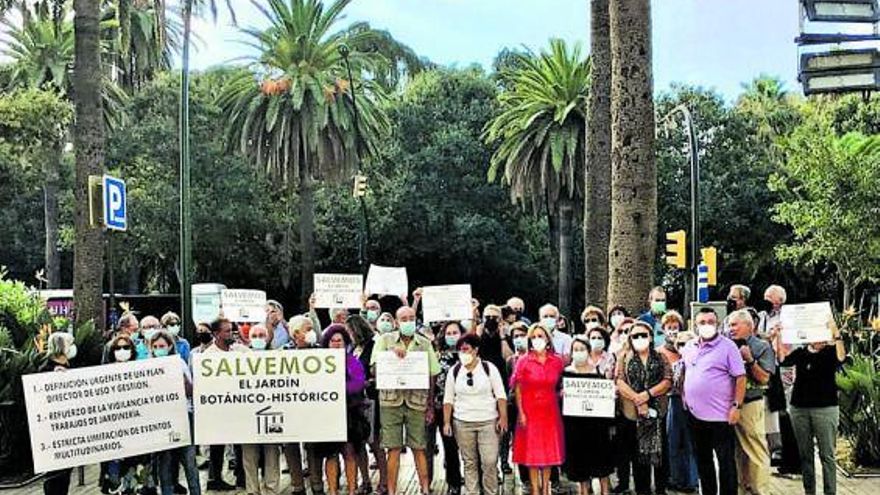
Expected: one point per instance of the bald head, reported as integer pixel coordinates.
(405, 313)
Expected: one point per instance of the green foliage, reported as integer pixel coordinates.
(829, 186)
(540, 132)
(22, 313)
(859, 385)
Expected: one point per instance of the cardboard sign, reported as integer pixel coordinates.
(100, 413)
(386, 280)
(407, 373)
(806, 323)
(447, 302)
(588, 397)
(338, 290)
(269, 396)
(243, 305)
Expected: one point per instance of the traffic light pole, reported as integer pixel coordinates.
(184, 186)
(364, 234)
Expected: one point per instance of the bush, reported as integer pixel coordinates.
(859, 385)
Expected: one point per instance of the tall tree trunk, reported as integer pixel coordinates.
(88, 134)
(634, 174)
(565, 275)
(306, 233)
(597, 203)
(553, 236)
(51, 166)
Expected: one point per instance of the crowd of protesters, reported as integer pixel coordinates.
(703, 406)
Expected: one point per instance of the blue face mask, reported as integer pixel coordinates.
(549, 323)
(160, 352)
(258, 343)
(451, 340)
(407, 328)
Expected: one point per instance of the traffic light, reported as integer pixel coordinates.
(360, 186)
(676, 251)
(710, 259)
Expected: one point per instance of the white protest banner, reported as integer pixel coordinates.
(387, 280)
(447, 302)
(269, 396)
(338, 290)
(590, 397)
(99, 413)
(409, 372)
(243, 305)
(805, 323)
(206, 302)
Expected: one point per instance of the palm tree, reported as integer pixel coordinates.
(143, 39)
(540, 136)
(293, 114)
(633, 239)
(597, 196)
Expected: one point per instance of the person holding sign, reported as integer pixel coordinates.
(584, 464)
(409, 409)
(814, 408)
(643, 378)
(60, 350)
(450, 333)
(538, 442)
(475, 397)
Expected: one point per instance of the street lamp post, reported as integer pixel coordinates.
(692, 288)
(364, 234)
(184, 185)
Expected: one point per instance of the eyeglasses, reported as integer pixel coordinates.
(639, 336)
(470, 379)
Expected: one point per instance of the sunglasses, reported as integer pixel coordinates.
(680, 345)
(639, 336)
(590, 320)
(123, 347)
(470, 379)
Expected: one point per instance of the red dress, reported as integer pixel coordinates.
(540, 443)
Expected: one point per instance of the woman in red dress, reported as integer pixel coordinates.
(538, 442)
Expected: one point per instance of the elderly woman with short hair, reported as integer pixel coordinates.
(60, 350)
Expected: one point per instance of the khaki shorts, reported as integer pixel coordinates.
(394, 419)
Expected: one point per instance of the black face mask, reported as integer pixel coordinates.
(204, 337)
(731, 305)
(518, 315)
(764, 305)
(491, 324)
(229, 341)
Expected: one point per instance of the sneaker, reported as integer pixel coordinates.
(179, 489)
(220, 486)
(148, 490)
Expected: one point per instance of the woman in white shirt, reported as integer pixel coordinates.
(475, 409)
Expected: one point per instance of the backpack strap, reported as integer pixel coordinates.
(455, 370)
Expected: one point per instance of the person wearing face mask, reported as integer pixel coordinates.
(519, 333)
(737, 298)
(678, 455)
(538, 442)
(475, 412)
(713, 392)
(620, 349)
(371, 311)
(616, 314)
(656, 310)
(560, 341)
(752, 452)
(406, 410)
(171, 323)
(150, 326)
(815, 413)
(493, 341)
(519, 308)
(60, 351)
(643, 378)
(582, 465)
(162, 344)
(386, 324)
(780, 436)
(302, 337)
(128, 326)
(449, 336)
(592, 317)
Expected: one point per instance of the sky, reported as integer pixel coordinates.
(716, 44)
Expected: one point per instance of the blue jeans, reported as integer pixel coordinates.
(682, 462)
(187, 456)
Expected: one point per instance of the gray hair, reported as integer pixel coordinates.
(275, 304)
(128, 318)
(778, 290)
(742, 290)
(742, 315)
(335, 312)
(296, 323)
(58, 343)
(548, 307)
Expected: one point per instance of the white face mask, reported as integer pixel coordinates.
(466, 358)
(539, 344)
(311, 338)
(616, 319)
(71, 351)
(597, 345)
(707, 332)
(591, 325)
(173, 330)
(122, 355)
(640, 344)
(580, 357)
(258, 343)
(549, 323)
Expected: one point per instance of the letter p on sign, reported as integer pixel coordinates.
(115, 204)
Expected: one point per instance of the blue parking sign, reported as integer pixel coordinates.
(115, 217)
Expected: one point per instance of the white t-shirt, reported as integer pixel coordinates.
(476, 402)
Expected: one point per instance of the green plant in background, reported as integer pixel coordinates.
(859, 385)
(22, 313)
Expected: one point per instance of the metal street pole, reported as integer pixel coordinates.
(185, 224)
(364, 234)
(692, 288)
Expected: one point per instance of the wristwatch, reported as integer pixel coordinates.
(737, 405)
